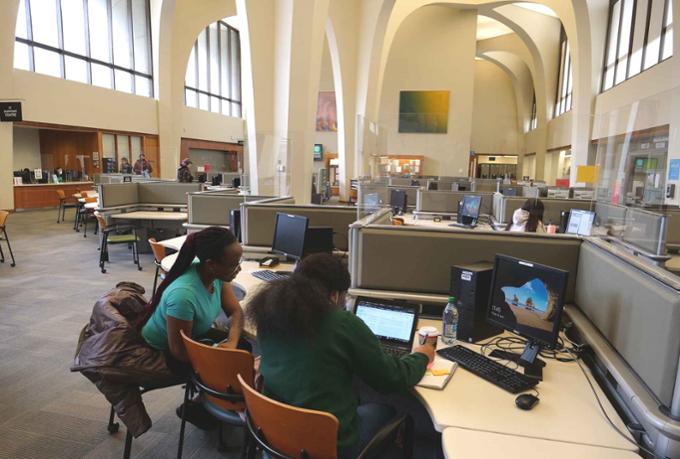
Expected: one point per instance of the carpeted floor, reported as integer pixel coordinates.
(45, 410)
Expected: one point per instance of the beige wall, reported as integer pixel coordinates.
(26, 148)
(329, 140)
(495, 128)
(433, 49)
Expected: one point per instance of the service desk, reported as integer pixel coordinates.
(40, 195)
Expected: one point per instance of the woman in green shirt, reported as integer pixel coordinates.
(312, 349)
(193, 293)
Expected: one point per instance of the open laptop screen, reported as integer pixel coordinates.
(580, 222)
(387, 321)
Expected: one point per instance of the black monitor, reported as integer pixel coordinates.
(319, 239)
(432, 186)
(527, 299)
(470, 207)
(318, 152)
(217, 180)
(127, 178)
(509, 191)
(289, 235)
(580, 222)
(398, 200)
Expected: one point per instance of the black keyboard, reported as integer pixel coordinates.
(395, 351)
(492, 371)
(268, 275)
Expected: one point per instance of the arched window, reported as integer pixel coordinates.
(100, 42)
(564, 78)
(213, 78)
(533, 123)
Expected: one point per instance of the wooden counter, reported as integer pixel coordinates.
(39, 195)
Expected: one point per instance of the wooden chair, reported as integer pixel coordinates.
(158, 255)
(111, 235)
(288, 432)
(3, 220)
(64, 203)
(217, 379)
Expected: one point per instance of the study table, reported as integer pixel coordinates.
(566, 422)
(174, 243)
(151, 215)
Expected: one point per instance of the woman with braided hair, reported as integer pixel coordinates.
(193, 293)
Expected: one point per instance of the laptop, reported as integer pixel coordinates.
(394, 323)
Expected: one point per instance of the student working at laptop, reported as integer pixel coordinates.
(312, 349)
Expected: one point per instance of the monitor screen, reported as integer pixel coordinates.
(527, 299)
(387, 321)
(318, 152)
(509, 191)
(398, 199)
(580, 222)
(289, 235)
(470, 207)
(319, 239)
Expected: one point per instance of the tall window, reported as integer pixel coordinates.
(533, 123)
(213, 79)
(639, 35)
(565, 79)
(101, 42)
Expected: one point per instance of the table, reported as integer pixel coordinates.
(463, 444)
(410, 220)
(151, 215)
(174, 243)
(567, 411)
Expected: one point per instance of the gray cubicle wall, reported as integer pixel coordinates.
(419, 259)
(118, 194)
(552, 212)
(646, 230)
(637, 308)
(166, 192)
(213, 208)
(673, 230)
(258, 220)
(447, 201)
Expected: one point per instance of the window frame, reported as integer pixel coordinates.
(564, 78)
(645, 40)
(223, 67)
(533, 121)
(87, 58)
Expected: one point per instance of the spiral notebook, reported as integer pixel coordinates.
(432, 378)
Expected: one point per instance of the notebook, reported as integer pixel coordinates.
(432, 378)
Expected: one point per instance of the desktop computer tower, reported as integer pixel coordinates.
(471, 285)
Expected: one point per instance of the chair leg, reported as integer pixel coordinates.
(113, 426)
(183, 424)
(104, 252)
(155, 279)
(85, 225)
(13, 264)
(128, 445)
(246, 443)
(2, 255)
(59, 211)
(135, 251)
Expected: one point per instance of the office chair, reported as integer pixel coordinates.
(3, 227)
(214, 377)
(64, 203)
(158, 255)
(110, 235)
(307, 433)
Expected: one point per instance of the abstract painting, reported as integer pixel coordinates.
(424, 111)
(326, 114)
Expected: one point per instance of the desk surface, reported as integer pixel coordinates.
(151, 215)
(567, 410)
(174, 243)
(464, 444)
(410, 220)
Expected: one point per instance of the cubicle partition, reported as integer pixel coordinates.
(213, 208)
(411, 194)
(118, 195)
(258, 218)
(505, 206)
(446, 202)
(150, 194)
(610, 215)
(673, 230)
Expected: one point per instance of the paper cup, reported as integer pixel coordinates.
(428, 335)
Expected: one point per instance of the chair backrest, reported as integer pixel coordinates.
(92, 199)
(288, 429)
(83, 194)
(61, 194)
(101, 220)
(218, 368)
(157, 249)
(3, 217)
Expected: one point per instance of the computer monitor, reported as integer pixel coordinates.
(432, 186)
(398, 200)
(527, 299)
(580, 222)
(289, 235)
(470, 207)
(509, 191)
(216, 180)
(318, 152)
(319, 239)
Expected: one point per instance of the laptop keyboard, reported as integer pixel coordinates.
(268, 275)
(395, 351)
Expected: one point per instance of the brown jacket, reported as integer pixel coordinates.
(113, 355)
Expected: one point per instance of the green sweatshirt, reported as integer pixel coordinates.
(317, 373)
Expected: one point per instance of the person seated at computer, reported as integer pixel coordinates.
(125, 166)
(194, 292)
(312, 349)
(528, 218)
(142, 166)
(183, 172)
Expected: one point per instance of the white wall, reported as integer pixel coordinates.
(433, 49)
(26, 148)
(494, 113)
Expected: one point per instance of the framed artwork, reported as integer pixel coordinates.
(326, 114)
(423, 112)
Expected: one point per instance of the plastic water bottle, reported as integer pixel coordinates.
(450, 322)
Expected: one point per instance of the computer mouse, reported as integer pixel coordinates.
(526, 401)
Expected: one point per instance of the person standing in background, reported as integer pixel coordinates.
(142, 166)
(125, 166)
(183, 172)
